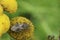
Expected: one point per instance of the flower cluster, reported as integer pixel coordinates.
(10, 6)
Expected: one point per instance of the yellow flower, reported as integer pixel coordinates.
(21, 28)
(4, 24)
(1, 10)
(9, 5)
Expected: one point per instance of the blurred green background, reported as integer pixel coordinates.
(45, 17)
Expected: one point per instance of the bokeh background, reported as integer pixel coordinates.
(45, 15)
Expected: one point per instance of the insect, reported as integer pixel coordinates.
(19, 27)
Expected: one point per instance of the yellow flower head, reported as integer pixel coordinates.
(9, 5)
(21, 28)
(4, 24)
